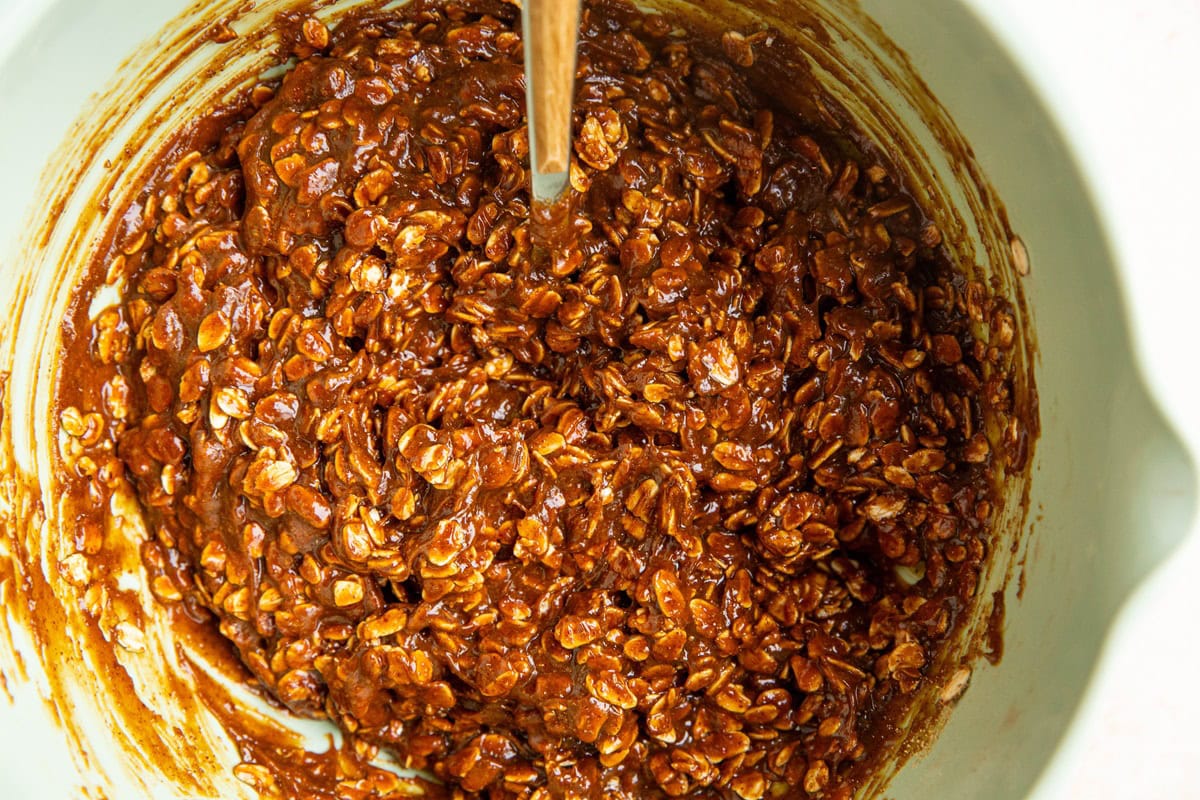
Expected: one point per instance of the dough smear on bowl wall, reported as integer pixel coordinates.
(400, 500)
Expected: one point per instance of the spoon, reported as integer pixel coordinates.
(551, 30)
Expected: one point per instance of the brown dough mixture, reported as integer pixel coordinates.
(682, 513)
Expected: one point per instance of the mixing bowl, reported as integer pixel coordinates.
(90, 89)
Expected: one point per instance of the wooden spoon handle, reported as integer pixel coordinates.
(551, 30)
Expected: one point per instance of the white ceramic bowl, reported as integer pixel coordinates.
(1113, 489)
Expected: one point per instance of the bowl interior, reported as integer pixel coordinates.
(1112, 485)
